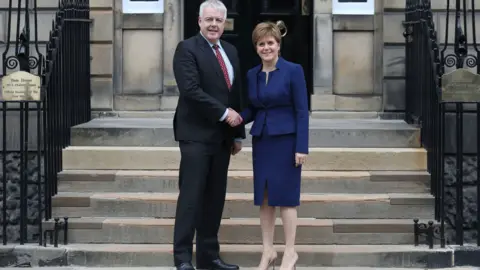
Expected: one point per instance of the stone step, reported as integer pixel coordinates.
(168, 158)
(132, 230)
(323, 133)
(240, 205)
(135, 255)
(241, 181)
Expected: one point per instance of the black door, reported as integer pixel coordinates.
(242, 17)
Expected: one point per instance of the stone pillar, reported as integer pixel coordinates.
(348, 59)
(138, 50)
(172, 34)
(323, 98)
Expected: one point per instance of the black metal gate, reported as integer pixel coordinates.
(443, 96)
(31, 148)
(243, 15)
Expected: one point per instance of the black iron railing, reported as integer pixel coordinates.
(438, 98)
(31, 152)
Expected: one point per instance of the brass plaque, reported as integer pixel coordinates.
(305, 8)
(461, 85)
(229, 24)
(21, 86)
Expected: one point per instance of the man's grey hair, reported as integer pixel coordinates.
(216, 4)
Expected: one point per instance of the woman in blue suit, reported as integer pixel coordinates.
(279, 110)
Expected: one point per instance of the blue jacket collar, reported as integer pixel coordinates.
(280, 64)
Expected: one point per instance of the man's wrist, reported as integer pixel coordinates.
(224, 116)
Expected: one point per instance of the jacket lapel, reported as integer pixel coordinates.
(254, 86)
(208, 51)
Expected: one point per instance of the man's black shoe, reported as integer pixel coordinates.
(185, 266)
(217, 264)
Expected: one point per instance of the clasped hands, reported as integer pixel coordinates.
(233, 118)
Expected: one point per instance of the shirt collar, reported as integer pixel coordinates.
(219, 44)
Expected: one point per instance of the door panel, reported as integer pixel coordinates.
(242, 17)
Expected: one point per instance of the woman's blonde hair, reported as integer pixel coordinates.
(269, 29)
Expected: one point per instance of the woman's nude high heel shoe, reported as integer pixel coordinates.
(271, 261)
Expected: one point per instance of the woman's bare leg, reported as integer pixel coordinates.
(289, 220)
(267, 223)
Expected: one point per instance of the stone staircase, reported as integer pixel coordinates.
(364, 182)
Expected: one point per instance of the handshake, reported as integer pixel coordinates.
(233, 118)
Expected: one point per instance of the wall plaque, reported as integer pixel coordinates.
(461, 85)
(229, 24)
(21, 86)
(353, 7)
(142, 6)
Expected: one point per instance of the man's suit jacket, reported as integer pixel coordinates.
(204, 95)
(283, 108)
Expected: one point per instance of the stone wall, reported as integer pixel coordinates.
(469, 180)
(34, 183)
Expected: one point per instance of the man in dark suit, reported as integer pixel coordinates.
(207, 72)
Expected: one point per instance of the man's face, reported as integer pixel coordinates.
(212, 24)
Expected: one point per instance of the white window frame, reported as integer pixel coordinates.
(133, 7)
(367, 8)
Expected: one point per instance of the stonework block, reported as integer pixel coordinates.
(45, 19)
(358, 103)
(394, 95)
(436, 4)
(172, 34)
(53, 4)
(102, 93)
(137, 103)
(323, 54)
(168, 103)
(102, 26)
(322, 6)
(353, 22)
(142, 21)
(323, 102)
(101, 4)
(3, 27)
(353, 65)
(441, 26)
(394, 61)
(102, 62)
(13, 129)
(393, 28)
(142, 69)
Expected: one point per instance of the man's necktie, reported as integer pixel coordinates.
(222, 65)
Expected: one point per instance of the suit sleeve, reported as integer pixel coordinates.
(188, 81)
(249, 111)
(300, 102)
(240, 129)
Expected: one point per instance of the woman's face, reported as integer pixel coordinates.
(268, 48)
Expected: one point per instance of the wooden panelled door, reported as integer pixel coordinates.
(243, 15)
